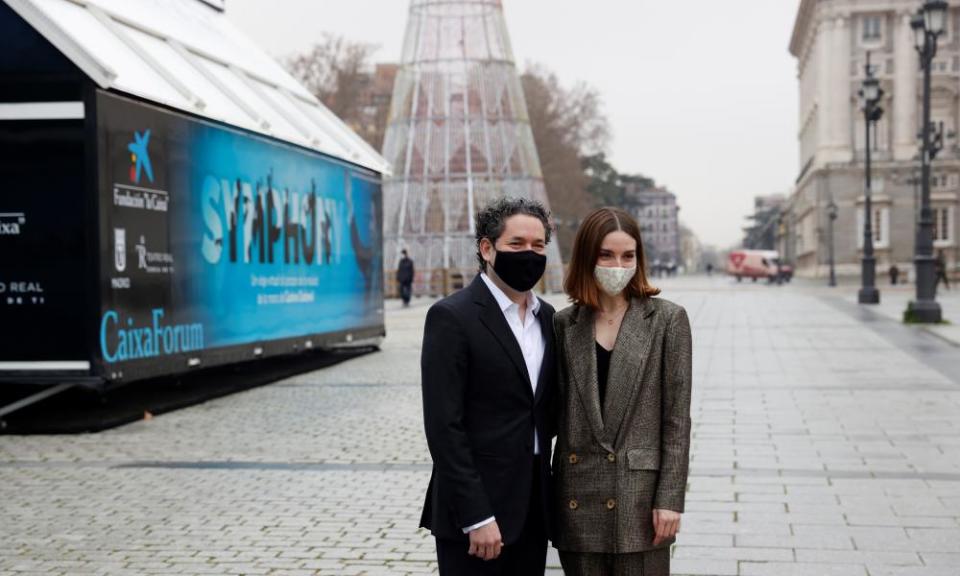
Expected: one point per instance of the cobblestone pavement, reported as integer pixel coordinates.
(824, 443)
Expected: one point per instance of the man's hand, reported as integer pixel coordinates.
(666, 524)
(485, 542)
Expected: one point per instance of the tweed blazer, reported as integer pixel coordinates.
(614, 464)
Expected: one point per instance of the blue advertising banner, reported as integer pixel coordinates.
(216, 238)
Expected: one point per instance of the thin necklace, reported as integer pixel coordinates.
(616, 315)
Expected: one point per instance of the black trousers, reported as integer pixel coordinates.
(941, 277)
(406, 290)
(525, 557)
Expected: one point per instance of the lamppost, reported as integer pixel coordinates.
(870, 94)
(914, 180)
(832, 216)
(928, 24)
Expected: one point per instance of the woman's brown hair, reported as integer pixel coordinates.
(580, 284)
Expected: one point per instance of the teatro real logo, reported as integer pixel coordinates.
(120, 249)
(11, 223)
(153, 262)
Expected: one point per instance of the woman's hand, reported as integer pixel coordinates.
(666, 524)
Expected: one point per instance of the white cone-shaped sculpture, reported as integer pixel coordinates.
(458, 137)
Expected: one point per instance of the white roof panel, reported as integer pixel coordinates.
(216, 104)
(203, 29)
(131, 74)
(188, 56)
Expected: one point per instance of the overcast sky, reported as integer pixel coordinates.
(701, 94)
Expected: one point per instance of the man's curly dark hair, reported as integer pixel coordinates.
(491, 221)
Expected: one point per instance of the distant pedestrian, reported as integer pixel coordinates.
(894, 274)
(940, 266)
(405, 274)
(709, 270)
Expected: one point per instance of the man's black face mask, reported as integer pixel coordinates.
(520, 270)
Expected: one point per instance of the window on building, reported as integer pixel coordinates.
(943, 225)
(879, 134)
(878, 225)
(872, 29)
(880, 222)
(940, 181)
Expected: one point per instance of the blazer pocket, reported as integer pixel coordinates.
(643, 459)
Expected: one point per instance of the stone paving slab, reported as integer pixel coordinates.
(819, 447)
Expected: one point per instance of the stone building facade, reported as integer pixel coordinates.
(657, 213)
(831, 41)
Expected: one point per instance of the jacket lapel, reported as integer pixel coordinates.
(581, 361)
(492, 317)
(633, 343)
(546, 330)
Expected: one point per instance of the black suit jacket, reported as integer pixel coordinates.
(480, 413)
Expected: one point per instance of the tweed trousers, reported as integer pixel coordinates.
(652, 563)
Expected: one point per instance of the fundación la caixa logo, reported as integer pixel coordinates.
(139, 193)
(140, 156)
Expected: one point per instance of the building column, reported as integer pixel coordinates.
(906, 67)
(825, 91)
(842, 113)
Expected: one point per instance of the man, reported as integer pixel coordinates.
(940, 269)
(488, 381)
(405, 275)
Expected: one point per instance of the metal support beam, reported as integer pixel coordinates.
(31, 400)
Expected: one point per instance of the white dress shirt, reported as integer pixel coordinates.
(529, 337)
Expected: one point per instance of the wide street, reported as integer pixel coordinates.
(826, 441)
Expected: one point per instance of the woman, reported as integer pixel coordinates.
(623, 441)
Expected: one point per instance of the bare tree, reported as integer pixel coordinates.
(339, 72)
(568, 125)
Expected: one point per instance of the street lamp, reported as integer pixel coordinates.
(871, 93)
(935, 16)
(832, 216)
(928, 24)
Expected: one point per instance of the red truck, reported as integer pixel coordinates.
(757, 264)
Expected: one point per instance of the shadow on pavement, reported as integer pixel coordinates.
(80, 410)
